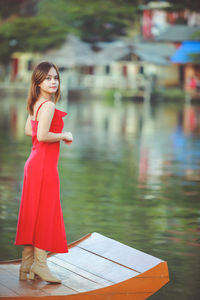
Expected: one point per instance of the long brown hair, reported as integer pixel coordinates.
(39, 74)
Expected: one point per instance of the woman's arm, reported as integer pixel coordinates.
(28, 128)
(45, 117)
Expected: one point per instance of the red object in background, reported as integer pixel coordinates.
(13, 120)
(91, 70)
(88, 70)
(124, 71)
(190, 121)
(147, 24)
(193, 83)
(171, 17)
(14, 68)
(143, 164)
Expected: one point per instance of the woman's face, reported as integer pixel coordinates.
(50, 83)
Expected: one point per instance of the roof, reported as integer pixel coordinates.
(178, 33)
(155, 5)
(111, 54)
(155, 53)
(184, 53)
(75, 52)
(72, 53)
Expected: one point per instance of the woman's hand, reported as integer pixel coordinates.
(68, 138)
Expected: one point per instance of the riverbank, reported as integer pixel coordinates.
(160, 94)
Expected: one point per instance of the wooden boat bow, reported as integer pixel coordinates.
(96, 268)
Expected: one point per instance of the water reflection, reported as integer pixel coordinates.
(132, 173)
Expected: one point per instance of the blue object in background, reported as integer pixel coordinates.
(183, 54)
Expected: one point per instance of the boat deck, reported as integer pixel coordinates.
(95, 268)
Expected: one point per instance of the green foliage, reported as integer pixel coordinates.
(182, 4)
(30, 34)
(44, 24)
(4, 41)
(37, 33)
(37, 25)
(195, 57)
(170, 94)
(196, 35)
(17, 7)
(92, 20)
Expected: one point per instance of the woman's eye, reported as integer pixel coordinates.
(49, 78)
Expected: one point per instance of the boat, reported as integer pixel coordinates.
(95, 268)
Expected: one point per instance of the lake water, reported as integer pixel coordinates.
(132, 174)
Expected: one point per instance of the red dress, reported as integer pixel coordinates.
(40, 221)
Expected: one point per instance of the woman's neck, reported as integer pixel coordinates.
(45, 96)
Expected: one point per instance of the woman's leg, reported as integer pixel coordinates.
(40, 267)
(27, 261)
(28, 248)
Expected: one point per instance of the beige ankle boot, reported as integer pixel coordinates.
(40, 267)
(27, 261)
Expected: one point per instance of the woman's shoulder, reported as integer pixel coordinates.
(45, 107)
(48, 104)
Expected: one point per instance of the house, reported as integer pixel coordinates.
(73, 59)
(176, 34)
(154, 61)
(22, 65)
(123, 64)
(188, 57)
(186, 40)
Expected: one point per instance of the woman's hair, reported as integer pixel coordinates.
(39, 74)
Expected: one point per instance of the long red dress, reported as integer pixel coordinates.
(40, 220)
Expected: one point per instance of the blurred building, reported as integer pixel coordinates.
(22, 66)
(124, 63)
(176, 28)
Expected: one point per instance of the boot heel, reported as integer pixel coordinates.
(31, 275)
(22, 276)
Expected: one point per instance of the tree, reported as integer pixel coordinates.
(30, 34)
(39, 25)
(182, 4)
(92, 20)
(17, 7)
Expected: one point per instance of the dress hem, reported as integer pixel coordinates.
(43, 248)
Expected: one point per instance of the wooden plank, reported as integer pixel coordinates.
(48, 289)
(138, 288)
(97, 265)
(120, 253)
(90, 268)
(80, 272)
(72, 280)
(6, 292)
(22, 288)
(11, 268)
(53, 289)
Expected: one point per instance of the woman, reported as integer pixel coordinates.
(40, 223)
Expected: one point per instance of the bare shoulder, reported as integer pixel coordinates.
(48, 108)
(46, 111)
(49, 105)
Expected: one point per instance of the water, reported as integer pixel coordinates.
(132, 174)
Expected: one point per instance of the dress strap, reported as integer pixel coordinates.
(39, 109)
